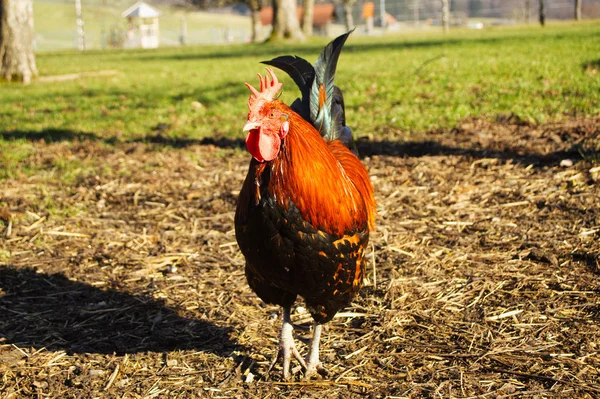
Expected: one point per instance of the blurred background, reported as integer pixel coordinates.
(229, 21)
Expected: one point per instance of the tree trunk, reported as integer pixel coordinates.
(182, 31)
(578, 10)
(542, 13)
(255, 7)
(349, 19)
(307, 16)
(285, 21)
(256, 25)
(527, 10)
(415, 5)
(446, 15)
(80, 31)
(17, 60)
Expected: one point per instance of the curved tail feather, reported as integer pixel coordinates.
(322, 102)
(303, 74)
(322, 90)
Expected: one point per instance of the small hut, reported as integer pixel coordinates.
(142, 26)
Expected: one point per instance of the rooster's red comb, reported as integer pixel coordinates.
(268, 90)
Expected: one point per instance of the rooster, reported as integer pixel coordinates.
(306, 206)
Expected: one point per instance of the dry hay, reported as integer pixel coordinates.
(483, 282)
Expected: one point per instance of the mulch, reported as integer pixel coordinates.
(123, 278)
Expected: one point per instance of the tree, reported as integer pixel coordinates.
(474, 8)
(349, 19)
(17, 60)
(255, 7)
(578, 10)
(308, 7)
(445, 15)
(80, 30)
(542, 13)
(285, 21)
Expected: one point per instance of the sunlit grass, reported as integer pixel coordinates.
(394, 86)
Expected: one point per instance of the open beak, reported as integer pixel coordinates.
(251, 126)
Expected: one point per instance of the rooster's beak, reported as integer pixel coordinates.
(251, 125)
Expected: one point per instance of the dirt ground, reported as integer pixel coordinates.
(484, 273)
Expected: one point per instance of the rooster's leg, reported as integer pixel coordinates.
(287, 347)
(312, 360)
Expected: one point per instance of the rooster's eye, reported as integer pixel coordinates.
(272, 115)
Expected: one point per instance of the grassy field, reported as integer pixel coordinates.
(394, 86)
(119, 272)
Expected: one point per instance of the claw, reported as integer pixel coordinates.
(313, 365)
(287, 346)
(318, 369)
(285, 352)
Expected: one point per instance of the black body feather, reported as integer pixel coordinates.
(296, 258)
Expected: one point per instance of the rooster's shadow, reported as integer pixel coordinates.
(366, 147)
(51, 311)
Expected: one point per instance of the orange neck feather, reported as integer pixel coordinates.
(326, 182)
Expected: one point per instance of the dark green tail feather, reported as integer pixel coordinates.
(303, 74)
(321, 114)
(329, 118)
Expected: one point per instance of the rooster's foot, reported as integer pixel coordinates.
(287, 346)
(313, 365)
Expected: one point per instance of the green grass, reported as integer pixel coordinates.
(394, 84)
(13, 154)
